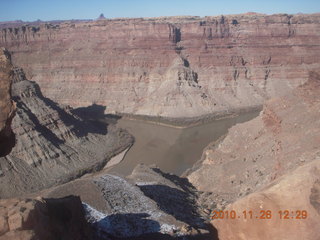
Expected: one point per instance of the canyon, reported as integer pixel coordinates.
(173, 150)
(170, 66)
(62, 76)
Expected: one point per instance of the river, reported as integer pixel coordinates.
(173, 150)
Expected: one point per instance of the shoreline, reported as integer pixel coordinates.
(117, 156)
(187, 122)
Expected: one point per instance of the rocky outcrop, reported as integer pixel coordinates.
(52, 144)
(171, 67)
(38, 219)
(296, 192)
(262, 157)
(148, 204)
(6, 106)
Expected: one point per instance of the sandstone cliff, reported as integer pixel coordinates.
(173, 67)
(261, 157)
(31, 219)
(52, 144)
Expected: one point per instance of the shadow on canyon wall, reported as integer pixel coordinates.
(38, 127)
(116, 225)
(96, 114)
(79, 127)
(82, 128)
(180, 204)
(133, 222)
(59, 218)
(6, 144)
(7, 140)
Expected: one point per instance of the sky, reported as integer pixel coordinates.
(32, 10)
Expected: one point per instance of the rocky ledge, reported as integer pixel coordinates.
(148, 204)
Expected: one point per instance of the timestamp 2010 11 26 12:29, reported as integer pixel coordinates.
(262, 214)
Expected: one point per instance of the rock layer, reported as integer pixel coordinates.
(52, 144)
(262, 158)
(172, 67)
(256, 152)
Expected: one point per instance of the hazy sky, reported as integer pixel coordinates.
(31, 10)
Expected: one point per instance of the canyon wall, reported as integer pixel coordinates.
(269, 163)
(52, 145)
(171, 67)
(284, 136)
(27, 219)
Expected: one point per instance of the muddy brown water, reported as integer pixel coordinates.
(173, 150)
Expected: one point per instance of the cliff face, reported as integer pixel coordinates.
(6, 106)
(283, 137)
(52, 144)
(297, 192)
(176, 67)
(29, 218)
(265, 158)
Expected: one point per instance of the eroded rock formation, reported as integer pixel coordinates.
(263, 157)
(52, 144)
(30, 219)
(174, 67)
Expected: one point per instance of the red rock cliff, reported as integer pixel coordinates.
(179, 66)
